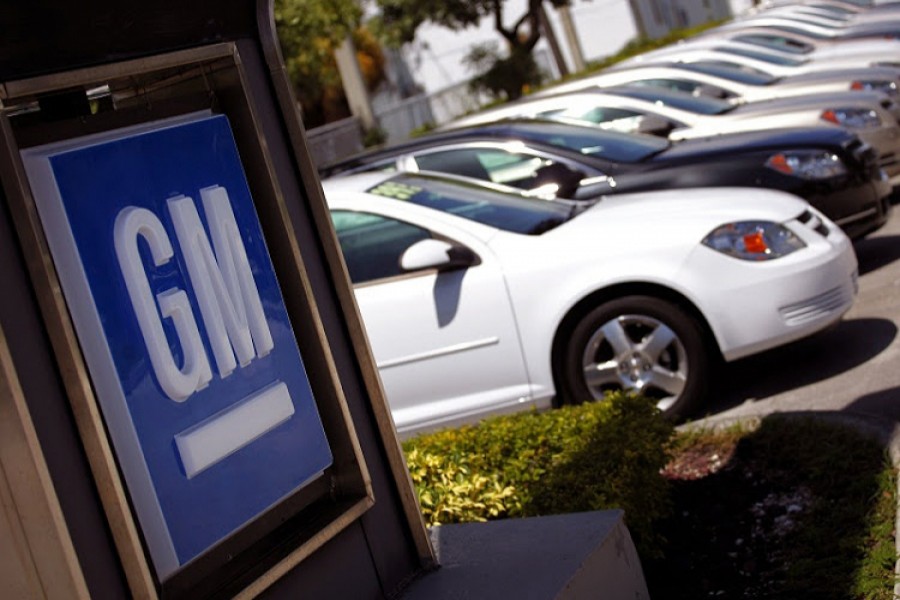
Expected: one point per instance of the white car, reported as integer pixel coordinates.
(801, 44)
(478, 302)
(771, 61)
(731, 83)
(773, 67)
(796, 43)
(679, 115)
(887, 28)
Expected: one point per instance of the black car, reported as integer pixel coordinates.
(831, 168)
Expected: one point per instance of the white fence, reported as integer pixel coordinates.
(340, 139)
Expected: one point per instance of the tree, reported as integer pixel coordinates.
(502, 75)
(310, 31)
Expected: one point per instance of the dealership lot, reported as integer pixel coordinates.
(853, 369)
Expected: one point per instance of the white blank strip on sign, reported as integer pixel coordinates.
(222, 434)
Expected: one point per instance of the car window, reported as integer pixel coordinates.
(518, 169)
(687, 86)
(606, 144)
(744, 73)
(740, 73)
(489, 164)
(701, 105)
(619, 119)
(509, 212)
(774, 59)
(372, 244)
(799, 31)
(681, 85)
(778, 42)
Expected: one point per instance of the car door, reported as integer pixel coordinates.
(446, 343)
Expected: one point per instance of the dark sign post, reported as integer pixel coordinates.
(177, 334)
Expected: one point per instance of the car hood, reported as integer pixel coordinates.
(769, 139)
(839, 75)
(672, 217)
(811, 101)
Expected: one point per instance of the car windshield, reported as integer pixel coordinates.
(701, 105)
(602, 143)
(778, 42)
(784, 61)
(506, 211)
(816, 35)
(732, 72)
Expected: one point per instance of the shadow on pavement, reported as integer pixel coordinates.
(782, 517)
(850, 344)
(877, 252)
(883, 404)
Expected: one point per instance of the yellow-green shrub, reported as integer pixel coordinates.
(450, 493)
(577, 458)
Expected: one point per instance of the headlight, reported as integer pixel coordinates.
(854, 118)
(807, 164)
(880, 85)
(753, 240)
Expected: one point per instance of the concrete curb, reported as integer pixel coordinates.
(886, 432)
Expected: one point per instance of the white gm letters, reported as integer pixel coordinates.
(222, 280)
(178, 384)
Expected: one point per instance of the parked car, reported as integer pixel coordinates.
(678, 115)
(798, 43)
(831, 168)
(478, 302)
(776, 64)
(837, 7)
(722, 81)
(888, 28)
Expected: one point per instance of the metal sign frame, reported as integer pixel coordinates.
(205, 78)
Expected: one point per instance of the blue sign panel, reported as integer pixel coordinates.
(166, 273)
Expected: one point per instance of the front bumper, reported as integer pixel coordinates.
(755, 306)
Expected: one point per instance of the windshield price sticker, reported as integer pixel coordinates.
(395, 190)
(186, 336)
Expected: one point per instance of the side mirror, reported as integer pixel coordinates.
(568, 180)
(594, 187)
(437, 254)
(655, 125)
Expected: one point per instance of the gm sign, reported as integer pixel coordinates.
(180, 318)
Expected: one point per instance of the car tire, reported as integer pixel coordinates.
(641, 344)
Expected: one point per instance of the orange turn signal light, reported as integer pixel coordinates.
(829, 116)
(755, 243)
(779, 162)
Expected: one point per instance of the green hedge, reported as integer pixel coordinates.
(577, 458)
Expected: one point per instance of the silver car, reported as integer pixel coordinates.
(804, 45)
(776, 62)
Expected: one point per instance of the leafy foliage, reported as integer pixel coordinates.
(507, 75)
(505, 78)
(576, 458)
(309, 32)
